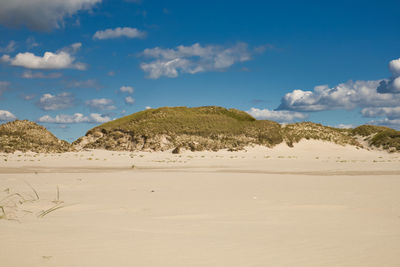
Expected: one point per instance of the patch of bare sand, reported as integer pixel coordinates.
(317, 204)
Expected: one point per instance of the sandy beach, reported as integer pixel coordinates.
(317, 204)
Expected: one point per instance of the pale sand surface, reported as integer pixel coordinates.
(317, 204)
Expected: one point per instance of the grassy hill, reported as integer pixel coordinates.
(213, 128)
(199, 128)
(379, 136)
(29, 136)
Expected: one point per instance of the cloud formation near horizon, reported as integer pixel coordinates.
(6, 115)
(380, 98)
(118, 33)
(277, 115)
(75, 118)
(192, 59)
(41, 15)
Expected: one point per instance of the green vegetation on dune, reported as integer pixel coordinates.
(379, 136)
(214, 128)
(295, 132)
(367, 130)
(199, 128)
(202, 128)
(29, 136)
(193, 128)
(183, 120)
(388, 139)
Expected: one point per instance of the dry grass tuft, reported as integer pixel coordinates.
(12, 205)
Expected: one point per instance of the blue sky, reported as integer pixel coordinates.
(71, 65)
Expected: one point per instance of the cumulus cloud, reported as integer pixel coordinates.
(277, 115)
(40, 75)
(101, 104)
(56, 102)
(6, 115)
(126, 89)
(118, 33)
(192, 59)
(394, 67)
(3, 86)
(391, 85)
(9, 48)
(75, 118)
(389, 112)
(377, 99)
(42, 15)
(347, 95)
(62, 59)
(129, 100)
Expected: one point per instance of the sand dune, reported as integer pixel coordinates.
(317, 204)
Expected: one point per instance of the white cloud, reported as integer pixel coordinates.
(42, 15)
(389, 112)
(9, 48)
(394, 67)
(394, 123)
(391, 85)
(347, 95)
(147, 107)
(6, 115)
(276, 115)
(345, 126)
(377, 99)
(71, 49)
(98, 118)
(126, 89)
(75, 118)
(61, 59)
(56, 102)
(129, 100)
(40, 75)
(192, 59)
(5, 58)
(119, 32)
(3, 86)
(101, 104)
